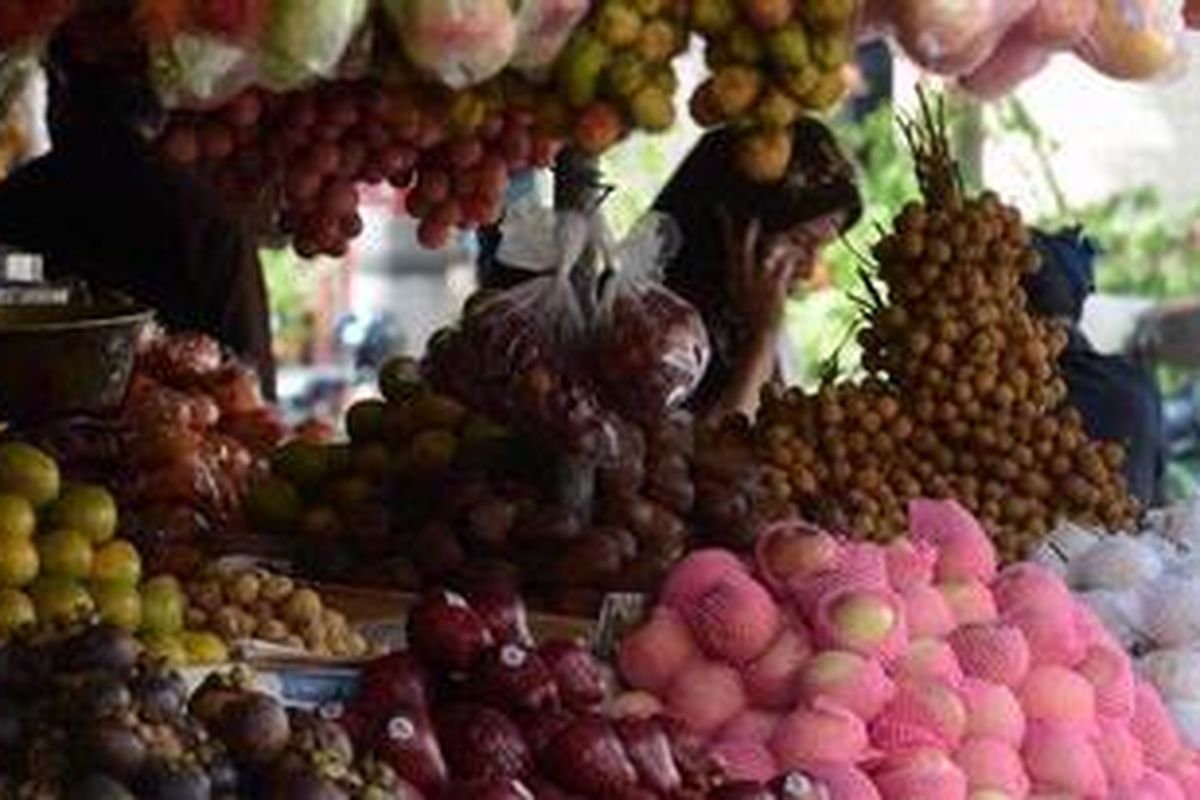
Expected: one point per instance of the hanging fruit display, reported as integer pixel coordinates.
(771, 61)
(300, 159)
(965, 401)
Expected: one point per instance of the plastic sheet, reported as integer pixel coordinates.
(517, 353)
(1015, 61)
(1059, 23)
(200, 72)
(953, 37)
(460, 42)
(650, 348)
(1135, 40)
(543, 28)
(305, 39)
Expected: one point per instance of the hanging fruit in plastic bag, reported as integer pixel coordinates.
(1191, 14)
(650, 349)
(517, 354)
(954, 37)
(461, 42)
(236, 20)
(198, 72)
(1134, 40)
(1016, 60)
(543, 28)
(22, 20)
(305, 39)
(1059, 23)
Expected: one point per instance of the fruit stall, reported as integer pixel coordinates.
(524, 569)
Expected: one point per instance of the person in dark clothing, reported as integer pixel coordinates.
(746, 247)
(1118, 398)
(102, 206)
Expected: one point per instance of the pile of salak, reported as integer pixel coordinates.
(913, 671)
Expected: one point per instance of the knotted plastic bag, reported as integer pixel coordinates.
(198, 71)
(517, 354)
(650, 348)
(1135, 40)
(460, 42)
(543, 28)
(305, 40)
(954, 37)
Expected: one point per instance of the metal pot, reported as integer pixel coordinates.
(61, 360)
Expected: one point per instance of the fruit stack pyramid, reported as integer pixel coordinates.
(477, 709)
(616, 73)
(965, 400)
(61, 564)
(911, 670)
(89, 716)
(771, 61)
(430, 492)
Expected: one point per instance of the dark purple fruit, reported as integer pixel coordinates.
(742, 790)
(104, 648)
(98, 786)
(314, 733)
(209, 701)
(163, 780)
(103, 696)
(161, 696)
(255, 729)
(11, 729)
(114, 748)
(304, 784)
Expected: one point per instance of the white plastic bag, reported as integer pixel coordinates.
(1135, 40)
(199, 72)
(650, 348)
(305, 40)
(517, 354)
(460, 42)
(543, 28)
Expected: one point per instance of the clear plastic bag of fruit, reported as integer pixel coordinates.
(196, 71)
(649, 347)
(460, 42)
(517, 353)
(543, 28)
(954, 37)
(304, 40)
(1135, 40)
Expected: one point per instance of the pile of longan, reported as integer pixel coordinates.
(965, 398)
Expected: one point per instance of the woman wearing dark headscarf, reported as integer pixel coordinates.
(1118, 398)
(747, 247)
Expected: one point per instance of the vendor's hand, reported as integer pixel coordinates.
(758, 284)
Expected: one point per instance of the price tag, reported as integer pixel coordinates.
(619, 613)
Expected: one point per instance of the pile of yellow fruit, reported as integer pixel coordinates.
(61, 563)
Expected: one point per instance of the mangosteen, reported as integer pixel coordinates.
(103, 695)
(98, 786)
(210, 700)
(314, 733)
(161, 695)
(254, 728)
(304, 784)
(11, 729)
(114, 748)
(105, 648)
(161, 779)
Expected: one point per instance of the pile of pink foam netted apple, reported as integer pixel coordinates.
(915, 671)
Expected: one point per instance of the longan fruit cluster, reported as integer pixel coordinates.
(965, 399)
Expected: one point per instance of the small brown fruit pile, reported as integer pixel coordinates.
(966, 399)
(253, 603)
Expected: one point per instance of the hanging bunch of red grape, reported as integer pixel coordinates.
(298, 161)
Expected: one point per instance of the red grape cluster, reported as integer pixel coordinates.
(300, 158)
